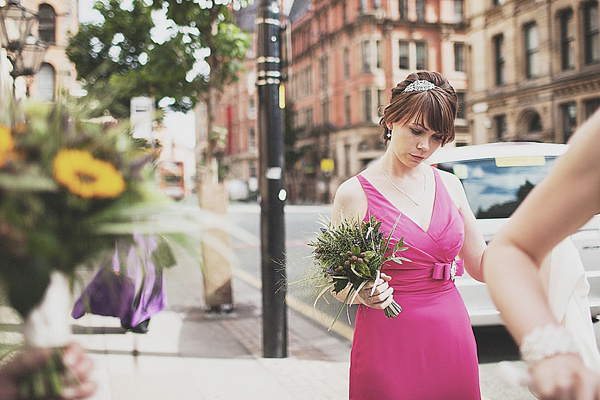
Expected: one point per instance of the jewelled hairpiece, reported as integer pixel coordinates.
(420, 85)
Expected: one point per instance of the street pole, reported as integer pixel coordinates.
(272, 192)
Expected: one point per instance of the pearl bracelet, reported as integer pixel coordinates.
(546, 341)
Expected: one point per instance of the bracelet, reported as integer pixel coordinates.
(546, 341)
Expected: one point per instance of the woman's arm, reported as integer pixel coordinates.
(557, 207)
(474, 244)
(350, 202)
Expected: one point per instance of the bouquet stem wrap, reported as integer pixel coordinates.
(47, 325)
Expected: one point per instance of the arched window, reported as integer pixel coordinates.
(46, 78)
(530, 122)
(47, 24)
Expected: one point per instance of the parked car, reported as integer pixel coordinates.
(496, 178)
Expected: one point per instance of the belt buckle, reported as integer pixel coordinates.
(453, 271)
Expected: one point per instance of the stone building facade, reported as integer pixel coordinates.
(58, 18)
(346, 56)
(534, 68)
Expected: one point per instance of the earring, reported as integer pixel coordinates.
(388, 135)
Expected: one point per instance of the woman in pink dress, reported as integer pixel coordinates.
(428, 351)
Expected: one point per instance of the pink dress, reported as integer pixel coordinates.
(428, 352)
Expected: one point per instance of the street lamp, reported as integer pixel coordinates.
(29, 59)
(25, 51)
(15, 25)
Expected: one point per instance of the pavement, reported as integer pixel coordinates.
(189, 354)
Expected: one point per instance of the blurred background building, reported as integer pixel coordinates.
(57, 18)
(534, 68)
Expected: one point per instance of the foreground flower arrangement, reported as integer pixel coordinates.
(351, 254)
(68, 190)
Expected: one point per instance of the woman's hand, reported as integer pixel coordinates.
(377, 294)
(565, 377)
(31, 359)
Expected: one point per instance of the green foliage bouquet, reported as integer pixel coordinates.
(65, 184)
(351, 254)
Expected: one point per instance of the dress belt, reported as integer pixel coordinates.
(448, 270)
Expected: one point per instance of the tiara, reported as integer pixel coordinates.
(420, 85)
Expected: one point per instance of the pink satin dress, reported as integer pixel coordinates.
(428, 352)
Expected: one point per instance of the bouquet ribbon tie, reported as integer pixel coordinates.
(448, 270)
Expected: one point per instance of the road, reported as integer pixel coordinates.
(301, 224)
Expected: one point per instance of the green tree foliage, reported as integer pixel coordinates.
(119, 58)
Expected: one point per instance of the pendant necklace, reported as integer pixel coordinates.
(402, 191)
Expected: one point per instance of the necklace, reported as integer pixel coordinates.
(415, 201)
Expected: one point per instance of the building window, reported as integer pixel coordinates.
(403, 9)
(421, 55)
(344, 13)
(309, 118)
(346, 63)
(591, 34)
(251, 108)
(324, 74)
(252, 170)
(347, 109)
(500, 125)
(378, 53)
(47, 23)
(251, 139)
(347, 149)
(376, 4)
(366, 51)
(567, 40)
(361, 6)
(498, 43)
(459, 57)
(531, 50)
(461, 112)
(325, 111)
(46, 78)
(590, 106)
(403, 58)
(458, 10)
(568, 112)
(420, 4)
(368, 105)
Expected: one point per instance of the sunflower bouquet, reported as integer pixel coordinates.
(349, 255)
(64, 182)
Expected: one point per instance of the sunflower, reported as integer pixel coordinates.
(87, 176)
(7, 144)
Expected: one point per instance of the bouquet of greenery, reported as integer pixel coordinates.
(350, 255)
(65, 184)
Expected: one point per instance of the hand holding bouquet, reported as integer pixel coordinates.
(351, 254)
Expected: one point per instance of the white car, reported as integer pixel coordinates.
(496, 178)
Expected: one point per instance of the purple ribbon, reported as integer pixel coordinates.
(448, 270)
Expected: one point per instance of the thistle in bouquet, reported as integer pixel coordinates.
(63, 182)
(351, 254)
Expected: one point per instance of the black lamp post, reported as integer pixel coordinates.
(25, 51)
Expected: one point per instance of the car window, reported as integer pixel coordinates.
(496, 187)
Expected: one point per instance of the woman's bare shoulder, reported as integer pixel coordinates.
(350, 200)
(454, 187)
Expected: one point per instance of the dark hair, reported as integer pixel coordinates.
(435, 108)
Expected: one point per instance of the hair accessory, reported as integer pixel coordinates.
(420, 85)
(546, 341)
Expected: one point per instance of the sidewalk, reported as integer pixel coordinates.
(188, 354)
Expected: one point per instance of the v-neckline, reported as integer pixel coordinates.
(404, 215)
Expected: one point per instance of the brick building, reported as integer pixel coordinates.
(534, 68)
(346, 55)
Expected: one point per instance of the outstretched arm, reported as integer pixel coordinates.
(557, 207)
